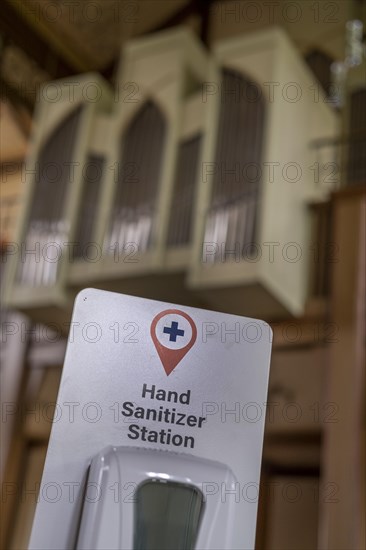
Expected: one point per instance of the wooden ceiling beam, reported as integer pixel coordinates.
(193, 7)
(19, 26)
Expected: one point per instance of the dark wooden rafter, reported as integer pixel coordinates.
(16, 29)
(193, 7)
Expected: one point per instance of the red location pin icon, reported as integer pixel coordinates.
(173, 333)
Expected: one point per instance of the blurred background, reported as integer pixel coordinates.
(204, 152)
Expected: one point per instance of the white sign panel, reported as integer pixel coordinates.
(159, 424)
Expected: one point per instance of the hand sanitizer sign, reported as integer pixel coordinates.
(157, 437)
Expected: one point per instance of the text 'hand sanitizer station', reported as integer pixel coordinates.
(157, 436)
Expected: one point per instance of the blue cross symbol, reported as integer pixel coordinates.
(173, 331)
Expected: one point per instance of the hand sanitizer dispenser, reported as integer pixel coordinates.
(158, 429)
(169, 507)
